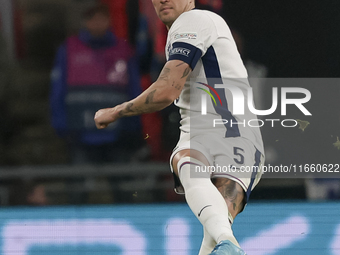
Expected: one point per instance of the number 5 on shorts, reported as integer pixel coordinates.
(240, 159)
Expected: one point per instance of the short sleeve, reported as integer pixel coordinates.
(190, 37)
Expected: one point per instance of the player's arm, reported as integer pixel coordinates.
(159, 95)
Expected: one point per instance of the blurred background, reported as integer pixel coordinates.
(48, 159)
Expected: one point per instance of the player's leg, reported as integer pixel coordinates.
(208, 243)
(233, 194)
(204, 199)
(234, 197)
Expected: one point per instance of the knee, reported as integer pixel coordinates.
(190, 173)
(192, 154)
(177, 158)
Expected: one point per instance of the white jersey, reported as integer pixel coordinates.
(203, 40)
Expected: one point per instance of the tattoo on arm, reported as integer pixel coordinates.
(149, 98)
(186, 72)
(164, 74)
(178, 86)
(180, 64)
(126, 110)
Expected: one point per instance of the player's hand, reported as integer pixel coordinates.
(105, 116)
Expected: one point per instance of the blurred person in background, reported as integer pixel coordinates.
(92, 70)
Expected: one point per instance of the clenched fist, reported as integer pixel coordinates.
(105, 116)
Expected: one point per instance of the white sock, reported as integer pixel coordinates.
(208, 244)
(205, 201)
